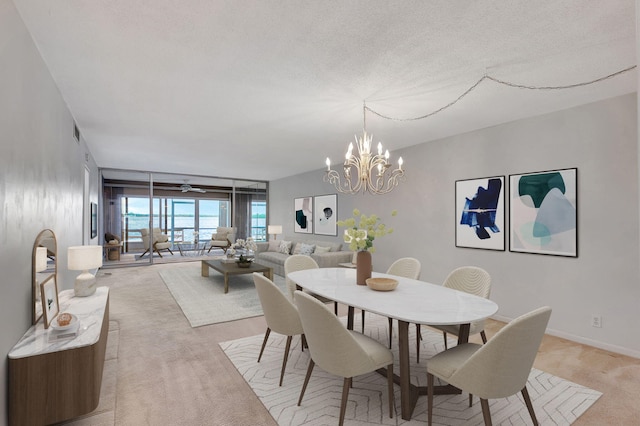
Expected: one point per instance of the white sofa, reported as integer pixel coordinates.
(271, 257)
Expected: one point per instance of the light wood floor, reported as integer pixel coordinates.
(170, 373)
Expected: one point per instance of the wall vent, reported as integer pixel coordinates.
(76, 132)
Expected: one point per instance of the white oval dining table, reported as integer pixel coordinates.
(413, 301)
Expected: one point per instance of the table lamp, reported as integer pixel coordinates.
(83, 258)
(274, 230)
(41, 259)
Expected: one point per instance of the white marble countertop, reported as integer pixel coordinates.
(412, 301)
(90, 312)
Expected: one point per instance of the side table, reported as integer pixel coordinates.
(112, 251)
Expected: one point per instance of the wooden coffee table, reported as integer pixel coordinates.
(227, 269)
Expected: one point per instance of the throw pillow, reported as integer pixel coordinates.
(274, 245)
(306, 248)
(285, 247)
(321, 249)
(296, 248)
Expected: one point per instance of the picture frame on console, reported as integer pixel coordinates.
(543, 212)
(49, 297)
(303, 215)
(480, 213)
(326, 212)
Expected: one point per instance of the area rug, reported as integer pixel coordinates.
(203, 301)
(556, 401)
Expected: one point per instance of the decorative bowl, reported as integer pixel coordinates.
(56, 326)
(382, 284)
(243, 264)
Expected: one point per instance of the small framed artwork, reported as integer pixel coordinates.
(480, 213)
(94, 220)
(543, 212)
(326, 211)
(49, 297)
(303, 210)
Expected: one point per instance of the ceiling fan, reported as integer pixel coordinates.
(185, 187)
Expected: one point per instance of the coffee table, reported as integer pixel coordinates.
(227, 269)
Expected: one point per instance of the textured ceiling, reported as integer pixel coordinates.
(268, 89)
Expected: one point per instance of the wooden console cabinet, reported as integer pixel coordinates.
(51, 381)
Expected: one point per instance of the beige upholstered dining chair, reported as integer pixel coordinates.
(280, 314)
(406, 267)
(473, 280)
(160, 241)
(498, 369)
(339, 351)
(301, 262)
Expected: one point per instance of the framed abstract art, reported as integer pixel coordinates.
(326, 211)
(543, 212)
(480, 213)
(303, 213)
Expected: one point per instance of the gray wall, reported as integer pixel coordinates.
(41, 177)
(600, 139)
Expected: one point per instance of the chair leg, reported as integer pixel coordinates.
(390, 389)
(527, 400)
(264, 342)
(286, 357)
(390, 331)
(429, 398)
(345, 395)
(485, 411)
(304, 342)
(484, 336)
(418, 338)
(306, 380)
(363, 321)
(444, 334)
(145, 252)
(335, 308)
(170, 251)
(470, 399)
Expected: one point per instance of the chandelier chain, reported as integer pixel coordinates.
(505, 83)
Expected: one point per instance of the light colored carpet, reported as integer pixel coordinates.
(203, 301)
(556, 401)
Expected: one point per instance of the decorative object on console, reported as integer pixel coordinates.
(326, 208)
(360, 237)
(44, 267)
(370, 169)
(83, 258)
(49, 297)
(480, 213)
(274, 230)
(543, 212)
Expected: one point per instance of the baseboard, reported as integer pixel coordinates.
(582, 340)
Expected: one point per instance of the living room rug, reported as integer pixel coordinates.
(203, 301)
(556, 401)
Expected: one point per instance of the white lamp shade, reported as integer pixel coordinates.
(82, 258)
(274, 229)
(41, 259)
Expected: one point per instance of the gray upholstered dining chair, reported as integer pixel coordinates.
(345, 353)
(301, 262)
(280, 314)
(497, 369)
(407, 267)
(469, 279)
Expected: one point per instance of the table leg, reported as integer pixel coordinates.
(350, 312)
(226, 283)
(268, 273)
(205, 269)
(463, 333)
(408, 396)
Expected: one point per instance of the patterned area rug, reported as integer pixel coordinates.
(203, 301)
(556, 401)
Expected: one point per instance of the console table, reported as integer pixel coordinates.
(51, 381)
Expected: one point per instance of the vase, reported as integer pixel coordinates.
(363, 267)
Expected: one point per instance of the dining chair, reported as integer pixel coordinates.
(301, 262)
(406, 267)
(469, 279)
(497, 369)
(280, 314)
(342, 352)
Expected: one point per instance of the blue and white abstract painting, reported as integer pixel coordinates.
(480, 213)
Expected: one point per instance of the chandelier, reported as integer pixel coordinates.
(366, 172)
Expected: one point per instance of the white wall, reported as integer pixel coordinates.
(41, 177)
(599, 139)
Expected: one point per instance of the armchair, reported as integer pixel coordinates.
(160, 241)
(223, 238)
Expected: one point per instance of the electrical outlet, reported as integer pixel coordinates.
(596, 321)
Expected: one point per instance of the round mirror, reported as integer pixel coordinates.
(45, 266)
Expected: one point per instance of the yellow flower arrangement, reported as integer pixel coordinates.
(362, 230)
